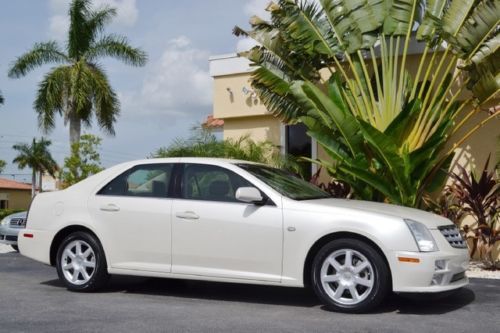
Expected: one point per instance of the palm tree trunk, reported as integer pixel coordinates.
(40, 182)
(33, 183)
(75, 128)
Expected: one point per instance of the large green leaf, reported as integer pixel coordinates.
(434, 10)
(353, 20)
(482, 22)
(397, 22)
(334, 110)
(386, 149)
(455, 16)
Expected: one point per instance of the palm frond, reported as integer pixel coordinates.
(97, 20)
(116, 47)
(52, 96)
(105, 101)
(40, 54)
(79, 36)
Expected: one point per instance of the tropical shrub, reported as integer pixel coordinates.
(203, 143)
(6, 212)
(341, 68)
(479, 197)
(336, 188)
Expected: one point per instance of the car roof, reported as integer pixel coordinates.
(211, 160)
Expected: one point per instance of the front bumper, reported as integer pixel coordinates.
(433, 273)
(9, 235)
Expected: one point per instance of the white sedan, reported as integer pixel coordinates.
(237, 221)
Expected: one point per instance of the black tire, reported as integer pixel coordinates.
(381, 276)
(99, 276)
(15, 247)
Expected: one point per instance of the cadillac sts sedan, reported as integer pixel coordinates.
(237, 221)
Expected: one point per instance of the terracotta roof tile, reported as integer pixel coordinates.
(13, 185)
(212, 122)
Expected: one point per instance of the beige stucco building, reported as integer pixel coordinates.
(242, 113)
(14, 195)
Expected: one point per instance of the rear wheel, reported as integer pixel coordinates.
(349, 275)
(80, 262)
(15, 247)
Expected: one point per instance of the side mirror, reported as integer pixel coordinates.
(248, 194)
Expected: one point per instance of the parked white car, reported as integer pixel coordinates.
(237, 221)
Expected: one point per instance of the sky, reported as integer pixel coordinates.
(159, 102)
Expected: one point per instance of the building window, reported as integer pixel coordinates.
(4, 204)
(298, 143)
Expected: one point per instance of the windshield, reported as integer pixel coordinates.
(285, 183)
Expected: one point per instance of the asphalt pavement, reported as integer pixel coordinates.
(33, 300)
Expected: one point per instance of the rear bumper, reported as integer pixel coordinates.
(35, 244)
(433, 273)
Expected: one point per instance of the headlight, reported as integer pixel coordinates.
(423, 237)
(5, 221)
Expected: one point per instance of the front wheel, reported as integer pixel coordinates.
(80, 262)
(349, 275)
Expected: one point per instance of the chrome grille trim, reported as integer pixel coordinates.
(453, 236)
(18, 222)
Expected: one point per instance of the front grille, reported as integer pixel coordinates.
(457, 277)
(452, 235)
(11, 238)
(18, 222)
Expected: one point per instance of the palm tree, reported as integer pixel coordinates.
(78, 88)
(37, 157)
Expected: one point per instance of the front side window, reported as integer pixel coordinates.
(151, 180)
(211, 183)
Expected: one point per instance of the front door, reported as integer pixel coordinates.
(133, 215)
(216, 235)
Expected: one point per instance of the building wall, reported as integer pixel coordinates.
(233, 97)
(260, 128)
(17, 199)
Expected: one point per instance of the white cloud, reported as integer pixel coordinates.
(126, 15)
(178, 83)
(257, 7)
(245, 44)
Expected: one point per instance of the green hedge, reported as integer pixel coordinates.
(7, 212)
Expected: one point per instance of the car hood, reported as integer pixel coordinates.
(20, 215)
(432, 221)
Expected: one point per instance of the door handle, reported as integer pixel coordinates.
(110, 208)
(187, 215)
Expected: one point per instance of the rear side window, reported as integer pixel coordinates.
(210, 183)
(149, 180)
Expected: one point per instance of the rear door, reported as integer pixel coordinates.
(133, 215)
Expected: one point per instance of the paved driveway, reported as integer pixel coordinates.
(32, 299)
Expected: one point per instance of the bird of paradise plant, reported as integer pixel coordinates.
(341, 68)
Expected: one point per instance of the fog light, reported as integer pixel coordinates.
(437, 279)
(439, 265)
